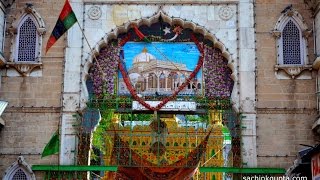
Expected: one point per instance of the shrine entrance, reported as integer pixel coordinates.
(164, 94)
(160, 106)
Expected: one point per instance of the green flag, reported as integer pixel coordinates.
(52, 147)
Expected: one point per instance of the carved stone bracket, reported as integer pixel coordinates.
(293, 71)
(276, 33)
(41, 31)
(24, 69)
(307, 33)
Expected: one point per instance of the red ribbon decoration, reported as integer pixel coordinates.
(124, 40)
(133, 93)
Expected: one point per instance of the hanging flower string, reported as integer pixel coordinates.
(133, 93)
(103, 76)
(217, 74)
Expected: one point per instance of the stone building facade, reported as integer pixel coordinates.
(276, 98)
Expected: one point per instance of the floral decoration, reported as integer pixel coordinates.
(217, 75)
(134, 94)
(105, 70)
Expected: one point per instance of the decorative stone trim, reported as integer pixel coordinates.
(309, 111)
(306, 33)
(24, 69)
(226, 13)
(293, 71)
(20, 163)
(28, 67)
(94, 12)
(33, 110)
(287, 71)
(276, 33)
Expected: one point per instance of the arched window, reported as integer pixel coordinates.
(291, 35)
(26, 44)
(292, 46)
(19, 175)
(19, 170)
(27, 41)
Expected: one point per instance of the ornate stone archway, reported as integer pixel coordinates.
(225, 25)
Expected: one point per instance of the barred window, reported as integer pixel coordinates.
(19, 175)
(27, 41)
(292, 33)
(291, 43)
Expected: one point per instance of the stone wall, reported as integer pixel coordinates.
(34, 108)
(279, 136)
(26, 134)
(286, 108)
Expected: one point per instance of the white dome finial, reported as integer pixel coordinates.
(144, 56)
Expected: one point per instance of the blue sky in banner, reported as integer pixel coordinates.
(179, 52)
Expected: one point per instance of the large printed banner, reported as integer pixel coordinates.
(315, 165)
(159, 68)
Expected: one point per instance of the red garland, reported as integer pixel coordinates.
(124, 40)
(132, 91)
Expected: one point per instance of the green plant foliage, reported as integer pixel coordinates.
(99, 137)
(136, 117)
(197, 118)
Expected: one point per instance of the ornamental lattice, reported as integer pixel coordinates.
(291, 44)
(20, 175)
(27, 41)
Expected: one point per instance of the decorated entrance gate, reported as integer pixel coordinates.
(159, 107)
(164, 94)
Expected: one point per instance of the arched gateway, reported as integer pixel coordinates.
(163, 87)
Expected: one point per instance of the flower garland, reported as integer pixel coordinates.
(103, 82)
(134, 94)
(217, 74)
